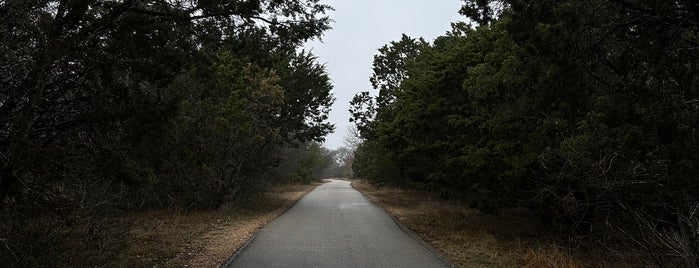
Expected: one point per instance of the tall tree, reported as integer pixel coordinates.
(583, 111)
(96, 74)
(389, 71)
(137, 104)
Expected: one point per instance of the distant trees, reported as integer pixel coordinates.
(583, 111)
(337, 163)
(141, 104)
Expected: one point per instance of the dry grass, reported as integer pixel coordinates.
(468, 238)
(550, 256)
(218, 244)
(176, 238)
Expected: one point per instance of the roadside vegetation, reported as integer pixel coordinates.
(165, 238)
(469, 238)
(127, 128)
(584, 114)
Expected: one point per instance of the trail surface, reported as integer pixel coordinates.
(335, 226)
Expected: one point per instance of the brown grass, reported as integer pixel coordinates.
(169, 238)
(217, 245)
(468, 238)
(549, 256)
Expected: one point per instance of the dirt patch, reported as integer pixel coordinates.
(468, 238)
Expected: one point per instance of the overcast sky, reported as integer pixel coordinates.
(360, 28)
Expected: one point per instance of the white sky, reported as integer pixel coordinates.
(360, 28)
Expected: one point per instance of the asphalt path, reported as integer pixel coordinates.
(335, 226)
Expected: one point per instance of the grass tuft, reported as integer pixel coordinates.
(549, 257)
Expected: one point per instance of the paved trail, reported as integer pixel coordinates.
(335, 226)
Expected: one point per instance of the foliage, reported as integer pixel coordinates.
(583, 111)
(108, 106)
(390, 68)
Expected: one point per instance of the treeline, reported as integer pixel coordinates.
(585, 112)
(110, 106)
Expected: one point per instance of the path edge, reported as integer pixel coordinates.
(235, 255)
(409, 231)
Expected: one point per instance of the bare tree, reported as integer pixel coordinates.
(352, 139)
